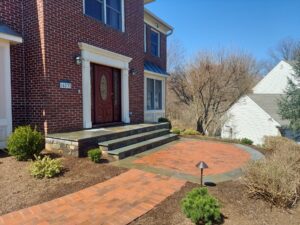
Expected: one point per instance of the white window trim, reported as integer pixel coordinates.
(105, 13)
(155, 77)
(145, 38)
(91, 54)
(152, 29)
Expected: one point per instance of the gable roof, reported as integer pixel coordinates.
(269, 103)
(275, 82)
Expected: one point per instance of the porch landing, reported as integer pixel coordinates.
(79, 142)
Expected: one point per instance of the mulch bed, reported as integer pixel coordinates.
(20, 190)
(237, 209)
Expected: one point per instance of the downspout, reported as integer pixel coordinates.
(24, 65)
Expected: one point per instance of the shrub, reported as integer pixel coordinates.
(95, 155)
(165, 120)
(276, 178)
(45, 167)
(201, 207)
(190, 132)
(276, 142)
(246, 141)
(25, 142)
(176, 131)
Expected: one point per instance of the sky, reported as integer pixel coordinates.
(253, 26)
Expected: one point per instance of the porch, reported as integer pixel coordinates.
(118, 141)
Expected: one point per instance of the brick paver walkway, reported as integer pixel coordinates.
(183, 157)
(117, 201)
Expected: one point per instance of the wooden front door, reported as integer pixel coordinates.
(106, 93)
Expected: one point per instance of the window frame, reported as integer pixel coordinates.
(145, 37)
(122, 28)
(154, 94)
(158, 42)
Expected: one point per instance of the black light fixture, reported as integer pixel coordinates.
(78, 60)
(201, 165)
(133, 72)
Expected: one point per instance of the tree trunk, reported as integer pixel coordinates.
(200, 128)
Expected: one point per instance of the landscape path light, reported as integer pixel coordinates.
(201, 165)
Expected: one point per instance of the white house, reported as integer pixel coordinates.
(255, 115)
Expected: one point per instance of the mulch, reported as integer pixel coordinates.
(20, 190)
(237, 208)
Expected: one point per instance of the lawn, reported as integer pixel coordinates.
(20, 190)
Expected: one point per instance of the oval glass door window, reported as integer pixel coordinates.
(103, 87)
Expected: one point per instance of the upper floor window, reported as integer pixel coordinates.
(155, 43)
(106, 11)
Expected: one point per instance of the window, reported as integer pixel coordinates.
(95, 9)
(113, 12)
(106, 11)
(155, 43)
(154, 94)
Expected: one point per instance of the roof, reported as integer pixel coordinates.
(148, 66)
(269, 103)
(151, 14)
(7, 30)
(148, 1)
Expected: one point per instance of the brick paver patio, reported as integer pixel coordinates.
(183, 157)
(117, 201)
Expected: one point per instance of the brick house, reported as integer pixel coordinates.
(76, 64)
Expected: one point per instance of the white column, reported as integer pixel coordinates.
(86, 94)
(125, 96)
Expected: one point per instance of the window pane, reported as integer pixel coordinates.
(115, 4)
(158, 94)
(113, 18)
(150, 94)
(94, 8)
(154, 43)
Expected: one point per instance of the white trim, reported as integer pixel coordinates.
(154, 21)
(91, 54)
(6, 122)
(155, 74)
(11, 38)
(145, 37)
(123, 15)
(153, 115)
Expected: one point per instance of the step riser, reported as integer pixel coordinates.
(132, 132)
(122, 144)
(144, 148)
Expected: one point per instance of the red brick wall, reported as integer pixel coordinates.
(65, 27)
(51, 32)
(162, 60)
(11, 15)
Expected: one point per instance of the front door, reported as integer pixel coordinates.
(106, 93)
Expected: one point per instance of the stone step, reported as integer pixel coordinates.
(130, 140)
(137, 148)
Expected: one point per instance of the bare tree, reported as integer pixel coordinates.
(211, 84)
(287, 49)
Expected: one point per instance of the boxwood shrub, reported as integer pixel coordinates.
(25, 142)
(95, 155)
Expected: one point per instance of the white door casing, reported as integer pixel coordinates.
(91, 54)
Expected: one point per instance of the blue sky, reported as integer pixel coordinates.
(250, 25)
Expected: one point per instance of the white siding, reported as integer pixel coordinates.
(275, 82)
(247, 120)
